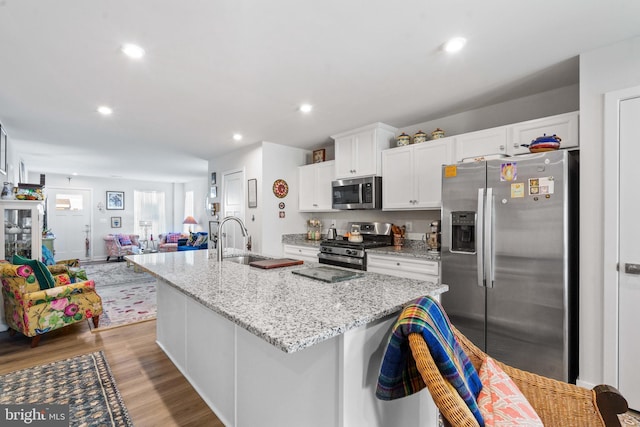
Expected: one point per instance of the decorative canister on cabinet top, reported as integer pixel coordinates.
(403, 140)
(419, 137)
(438, 133)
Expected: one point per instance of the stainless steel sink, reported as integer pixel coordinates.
(245, 259)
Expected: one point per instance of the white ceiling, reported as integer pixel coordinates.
(214, 68)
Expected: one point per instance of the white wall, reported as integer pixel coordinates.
(248, 159)
(603, 70)
(281, 162)
(101, 222)
(266, 162)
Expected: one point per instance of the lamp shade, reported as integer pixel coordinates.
(189, 220)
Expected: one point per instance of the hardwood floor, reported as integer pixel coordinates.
(153, 389)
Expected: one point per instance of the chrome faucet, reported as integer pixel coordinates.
(220, 240)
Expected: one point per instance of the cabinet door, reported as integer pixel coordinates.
(345, 153)
(563, 125)
(397, 178)
(429, 158)
(481, 143)
(366, 154)
(307, 186)
(325, 173)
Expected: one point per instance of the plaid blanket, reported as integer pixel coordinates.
(399, 376)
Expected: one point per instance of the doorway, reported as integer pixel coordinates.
(69, 218)
(622, 255)
(233, 205)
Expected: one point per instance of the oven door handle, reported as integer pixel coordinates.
(341, 258)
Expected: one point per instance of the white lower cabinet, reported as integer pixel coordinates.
(305, 253)
(402, 266)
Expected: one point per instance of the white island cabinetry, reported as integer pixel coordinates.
(271, 348)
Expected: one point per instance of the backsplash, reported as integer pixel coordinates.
(420, 220)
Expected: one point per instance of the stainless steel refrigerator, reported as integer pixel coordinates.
(510, 256)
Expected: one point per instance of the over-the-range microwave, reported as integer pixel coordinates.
(357, 193)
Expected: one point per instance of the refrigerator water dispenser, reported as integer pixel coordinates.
(463, 232)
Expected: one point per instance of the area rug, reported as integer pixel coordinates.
(630, 418)
(84, 382)
(128, 296)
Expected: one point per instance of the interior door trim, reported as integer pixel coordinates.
(611, 256)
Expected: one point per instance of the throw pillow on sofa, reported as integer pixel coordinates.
(124, 240)
(41, 272)
(173, 237)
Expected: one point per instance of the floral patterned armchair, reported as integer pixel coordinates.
(34, 311)
(119, 245)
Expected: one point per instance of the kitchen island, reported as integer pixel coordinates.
(271, 348)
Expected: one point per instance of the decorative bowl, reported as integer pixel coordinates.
(544, 143)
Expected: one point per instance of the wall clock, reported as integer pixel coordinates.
(280, 188)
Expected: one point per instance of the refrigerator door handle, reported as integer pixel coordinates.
(488, 239)
(479, 238)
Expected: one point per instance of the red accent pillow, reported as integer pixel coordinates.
(500, 401)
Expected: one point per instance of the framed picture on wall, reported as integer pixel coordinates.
(252, 193)
(115, 200)
(319, 155)
(116, 221)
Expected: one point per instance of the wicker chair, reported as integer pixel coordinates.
(557, 403)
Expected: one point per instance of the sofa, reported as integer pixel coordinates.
(173, 242)
(34, 305)
(119, 245)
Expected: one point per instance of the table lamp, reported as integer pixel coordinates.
(191, 221)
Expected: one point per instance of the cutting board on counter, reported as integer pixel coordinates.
(328, 274)
(276, 263)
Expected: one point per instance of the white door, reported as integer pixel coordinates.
(629, 236)
(233, 205)
(69, 218)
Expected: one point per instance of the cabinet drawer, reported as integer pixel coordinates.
(411, 268)
(305, 253)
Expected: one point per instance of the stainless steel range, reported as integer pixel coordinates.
(353, 254)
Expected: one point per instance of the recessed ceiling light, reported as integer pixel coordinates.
(237, 137)
(306, 108)
(132, 50)
(455, 44)
(104, 110)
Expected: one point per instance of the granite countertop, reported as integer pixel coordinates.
(289, 311)
(411, 248)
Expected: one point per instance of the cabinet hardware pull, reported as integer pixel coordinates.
(501, 147)
(632, 268)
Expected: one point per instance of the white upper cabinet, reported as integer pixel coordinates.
(482, 143)
(412, 177)
(358, 151)
(564, 126)
(315, 186)
(508, 140)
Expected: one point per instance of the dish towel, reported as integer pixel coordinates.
(399, 376)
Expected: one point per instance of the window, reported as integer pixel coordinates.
(68, 202)
(148, 207)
